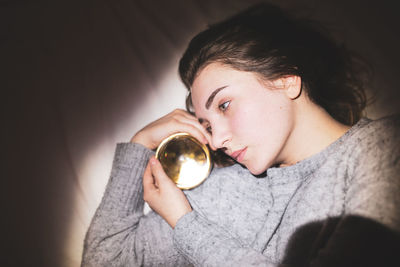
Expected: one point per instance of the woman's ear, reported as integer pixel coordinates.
(292, 86)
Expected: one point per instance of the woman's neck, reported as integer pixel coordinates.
(313, 130)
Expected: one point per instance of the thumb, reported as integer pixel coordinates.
(158, 172)
(148, 179)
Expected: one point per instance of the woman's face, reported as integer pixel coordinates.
(250, 120)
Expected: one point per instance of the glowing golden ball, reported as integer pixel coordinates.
(184, 159)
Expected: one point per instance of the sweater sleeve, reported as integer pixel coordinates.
(374, 185)
(120, 234)
(206, 244)
(349, 241)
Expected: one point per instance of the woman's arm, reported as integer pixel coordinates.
(348, 241)
(206, 244)
(120, 234)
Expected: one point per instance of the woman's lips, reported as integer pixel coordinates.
(238, 155)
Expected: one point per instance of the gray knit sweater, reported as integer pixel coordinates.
(340, 207)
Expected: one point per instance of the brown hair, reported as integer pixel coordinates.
(270, 43)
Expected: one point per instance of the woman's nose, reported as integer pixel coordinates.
(220, 136)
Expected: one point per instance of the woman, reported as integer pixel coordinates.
(315, 184)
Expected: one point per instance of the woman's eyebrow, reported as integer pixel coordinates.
(212, 96)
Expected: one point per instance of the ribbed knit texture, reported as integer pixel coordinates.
(340, 207)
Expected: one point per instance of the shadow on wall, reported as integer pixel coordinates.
(80, 76)
(344, 242)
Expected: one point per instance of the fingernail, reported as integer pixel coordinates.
(152, 161)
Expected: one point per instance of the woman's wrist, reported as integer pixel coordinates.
(139, 139)
(175, 221)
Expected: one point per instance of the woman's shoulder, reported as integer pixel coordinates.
(370, 134)
(373, 184)
(368, 149)
(378, 127)
(374, 147)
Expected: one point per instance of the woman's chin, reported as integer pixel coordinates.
(256, 171)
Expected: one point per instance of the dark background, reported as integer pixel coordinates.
(79, 76)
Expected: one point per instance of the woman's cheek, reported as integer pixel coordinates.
(243, 126)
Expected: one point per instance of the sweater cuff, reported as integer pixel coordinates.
(204, 243)
(129, 154)
(196, 238)
(124, 191)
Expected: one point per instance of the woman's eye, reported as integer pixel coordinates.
(224, 106)
(208, 129)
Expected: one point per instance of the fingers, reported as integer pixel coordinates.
(167, 200)
(155, 181)
(176, 121)
(194, 131)
(194, 121)
(190, 124)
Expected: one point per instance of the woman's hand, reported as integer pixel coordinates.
(178, 120)
(162, 195)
